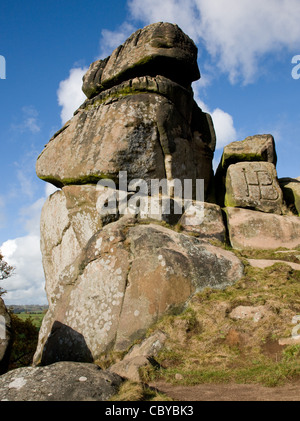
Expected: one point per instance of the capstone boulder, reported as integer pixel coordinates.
(253, 148)
(160, 48)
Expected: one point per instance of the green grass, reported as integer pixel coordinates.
(36, 318)
(267, 373)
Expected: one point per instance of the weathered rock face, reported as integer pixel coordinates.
(5, 337)
(126, 277)
(257, 230)
(140, 117)
(63, 381)
(204, 220)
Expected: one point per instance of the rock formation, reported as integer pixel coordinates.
(246, 182)
(109, 276)
(112, 270)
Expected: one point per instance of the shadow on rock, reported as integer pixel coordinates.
(65, 344)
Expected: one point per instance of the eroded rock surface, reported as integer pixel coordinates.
(249, 229)
(63, 381)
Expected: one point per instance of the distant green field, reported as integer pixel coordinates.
(36, 318)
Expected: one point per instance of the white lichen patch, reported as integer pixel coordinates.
(98, 244)
(61, 257)
(54, 220)
(162, 260)
(96, 300)
(85, 224)
(17, 383)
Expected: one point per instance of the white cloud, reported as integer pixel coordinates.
(224, 128)
(223, 121)
(241, 33)
(49, 189)
(26, 184)
(27, 285)
(112, 39)
(29, 121)
(237, 34)
(70, 95)
(182, 12)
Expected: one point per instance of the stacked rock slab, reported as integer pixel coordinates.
(248, 187)
(109, 277)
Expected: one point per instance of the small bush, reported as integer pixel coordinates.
(25, 342)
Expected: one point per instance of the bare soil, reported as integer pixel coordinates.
(230, 392)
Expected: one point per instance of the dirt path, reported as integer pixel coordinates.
(230, 392)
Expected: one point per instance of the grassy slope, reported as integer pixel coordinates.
(206, 345)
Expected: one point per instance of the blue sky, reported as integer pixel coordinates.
(245, 58)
